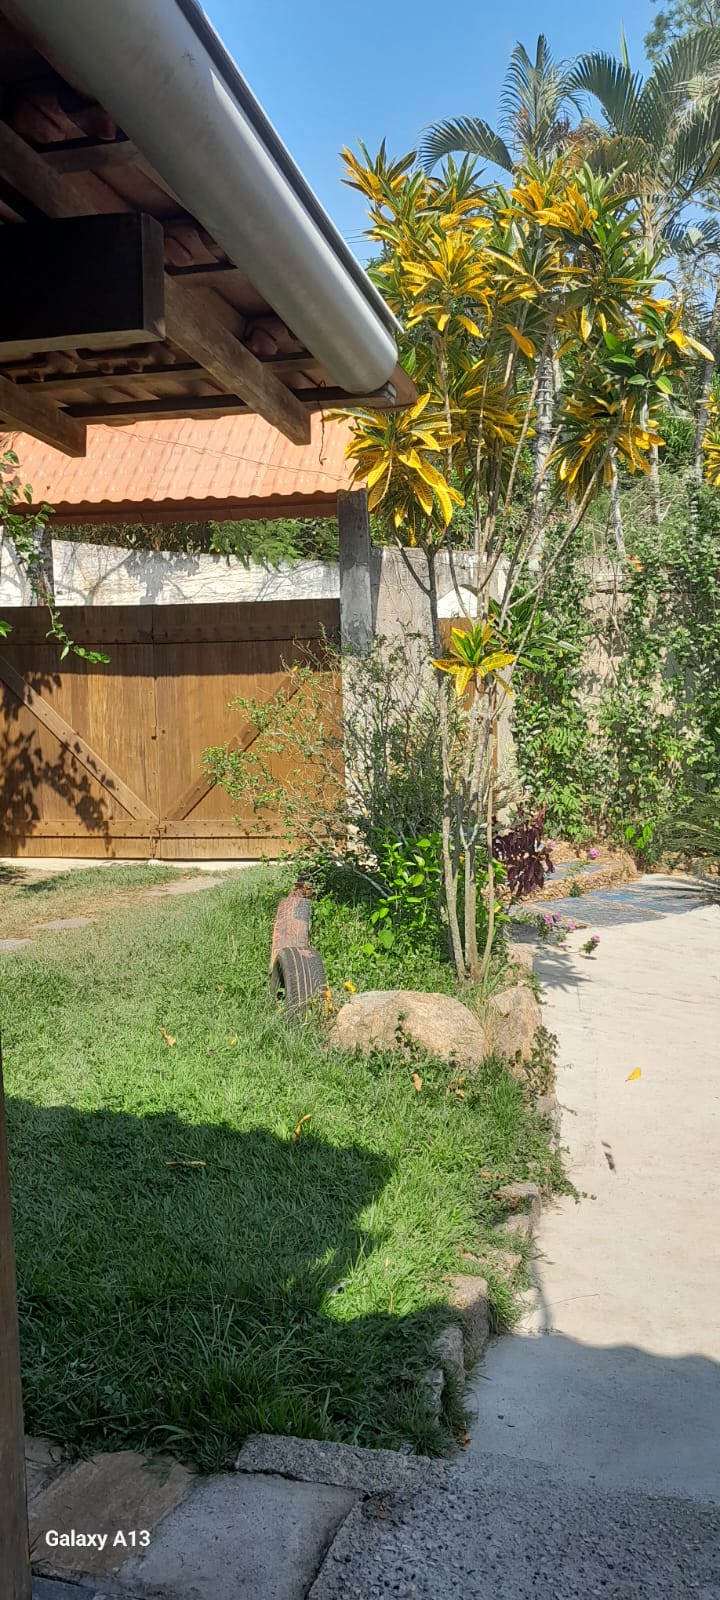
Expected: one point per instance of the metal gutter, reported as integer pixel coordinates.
(208, 35)
(159, 68)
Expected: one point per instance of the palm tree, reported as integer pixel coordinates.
(664, 133)
(535, 105)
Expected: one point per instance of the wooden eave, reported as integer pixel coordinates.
(224, 350)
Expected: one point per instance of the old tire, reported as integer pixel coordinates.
(297, 979)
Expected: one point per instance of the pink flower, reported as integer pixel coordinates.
(571, 926)
(593, 854)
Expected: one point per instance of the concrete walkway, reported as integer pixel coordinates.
(625, 1391)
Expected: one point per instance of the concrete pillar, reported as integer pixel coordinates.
(356, 619)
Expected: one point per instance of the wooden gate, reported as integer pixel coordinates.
(106, 760)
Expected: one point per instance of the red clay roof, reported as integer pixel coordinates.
(189, 471)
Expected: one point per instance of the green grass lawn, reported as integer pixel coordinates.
(236, 1231)
(30, 898)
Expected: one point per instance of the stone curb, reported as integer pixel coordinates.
(342, 1466)
(461, 1345)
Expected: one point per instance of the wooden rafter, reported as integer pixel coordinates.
(32, 177)
(194, 328)
(165, 408)
(28, 412)
(153, 374)
(89, 155)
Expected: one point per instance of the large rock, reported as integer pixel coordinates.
(386, 1018)
(513, 1019)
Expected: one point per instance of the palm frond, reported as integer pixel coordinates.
(534, 101)
(613, 84)
(630, 158)
(515, 92)
(694, 154)
(469, 135)
(689, 58)
(681, 87)
(692, 238)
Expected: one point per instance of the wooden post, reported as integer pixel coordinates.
(15, 1578)
(356, 610)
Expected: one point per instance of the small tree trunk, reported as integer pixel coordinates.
(449, 847)
(616, 508)
(487, 952)
(655, 510)
(703, 406)
(543, 439)
(42, 575)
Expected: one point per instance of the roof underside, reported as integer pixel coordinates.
(189, 471)
(62, 155)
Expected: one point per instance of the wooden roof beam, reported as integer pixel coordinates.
(170, 407)
(203, 336)
(28, 412)
(31, 176)
(89, 155)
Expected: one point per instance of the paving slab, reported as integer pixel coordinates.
(95, 1507)
(241, 1537)
(6, 945)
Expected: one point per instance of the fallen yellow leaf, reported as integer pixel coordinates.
(633, 1076)
(460, 1094)
(350, 987)
(184, 1163)
(298, 1129)
(417, 1082)
(234, 1039)
(167, 1037)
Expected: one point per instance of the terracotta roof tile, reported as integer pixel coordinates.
(189, 470)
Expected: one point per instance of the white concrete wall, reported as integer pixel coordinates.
(104, 575)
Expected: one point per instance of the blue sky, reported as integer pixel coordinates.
(329, 72)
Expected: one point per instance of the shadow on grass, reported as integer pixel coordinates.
(181, 1286)
(10, 874)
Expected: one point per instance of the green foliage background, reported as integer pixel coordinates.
(648, 747)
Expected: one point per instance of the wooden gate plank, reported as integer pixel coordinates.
(179, 809)
(75, 744)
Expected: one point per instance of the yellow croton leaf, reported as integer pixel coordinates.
(521, 340)
(494, 662)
